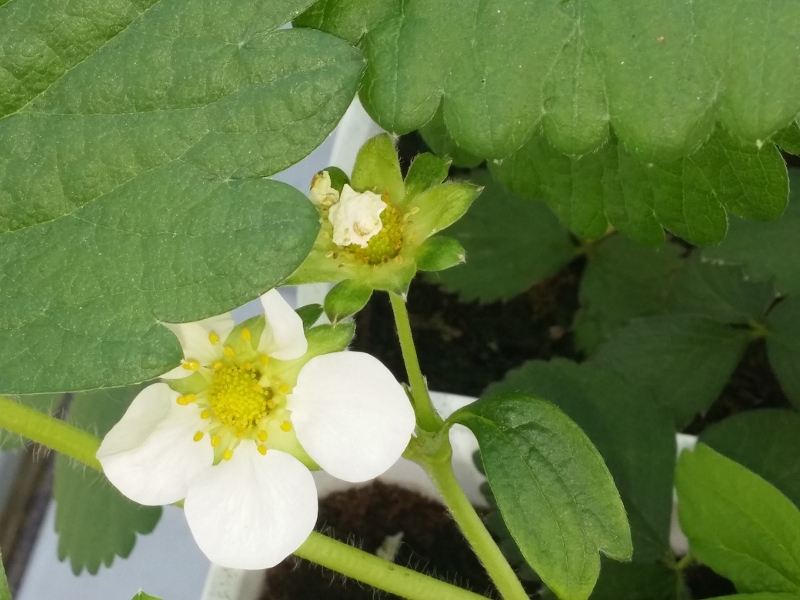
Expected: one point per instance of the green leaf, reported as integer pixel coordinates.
(310, 314)
(633, 581)
(345, 299)
(688, 197)
(658, 86)
(94, 522)
(377, 169)
(46, 403)
(684, 360)
(718, 291)
(438, 139)
(426, 171)
(788, 139)
(765, 441)
(510, 244)
(635, 438)
(767, 250)
(783, 346)
(135, 139)
(738, 524)
(439, 253)
(142, 596)
(759, 596)
(5, 594)
(553, 489)
(622, 280)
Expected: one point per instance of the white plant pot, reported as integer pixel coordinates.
(237, 584)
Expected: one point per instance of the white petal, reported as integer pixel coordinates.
(150, 455)
(283, 337)
(351, 415)
(356, 218)
(253, 511)
(196, 343)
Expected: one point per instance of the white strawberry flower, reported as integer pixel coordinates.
(257, 408)
(356, 217)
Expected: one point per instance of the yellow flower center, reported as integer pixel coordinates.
(236, 398)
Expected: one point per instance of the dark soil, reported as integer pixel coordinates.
(365, 517)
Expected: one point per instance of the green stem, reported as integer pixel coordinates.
(377, 572)
(684, 562)
(503, 576)
(49, 431)
(5, 594)
(427, 418)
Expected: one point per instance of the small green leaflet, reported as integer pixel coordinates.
(135, 141)
(571, 509)
(765, 441)
(634, 436)
(142, 596)
(783, 345)
(510, 244)
(678, 69)
(738, 524)
(94, 522)
(689, 197)
(5, 594)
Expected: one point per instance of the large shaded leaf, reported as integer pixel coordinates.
(502, 68)
(635, 437)
(621, 581)
(134, 142)
(511, 244)
(684, 360)
(94, 522)
(767, 250)
(738, 524)
(765, 441)
(689, 197)
(783, 346)
(553, 489)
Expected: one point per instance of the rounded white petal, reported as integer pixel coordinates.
(356, 218)
(252, 511)
(195, 341)
(150, 455)
(284, 337)
(351, 415)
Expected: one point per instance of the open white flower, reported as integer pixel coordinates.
(256, 406)
(356, 218)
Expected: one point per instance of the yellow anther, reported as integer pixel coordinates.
(191, 365)
(213, 338)
(262, 436)
(283, 388)
(247, 366)
(271, 404)
(205, 414)
(217, 364)
(182, 400)
(262, 449)
(229, 351)
(215, 440)
(189, 398)
(286, 426)
(198, 436)
(264, 359)
(239, 435)
(228, 454)
(246, 334)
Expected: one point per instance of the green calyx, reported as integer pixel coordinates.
(417, 208)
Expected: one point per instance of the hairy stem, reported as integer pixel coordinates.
(427, 418)
(5, 594)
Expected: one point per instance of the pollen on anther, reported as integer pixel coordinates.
(262, 449)
(205, 414)
(217, 364)
(228, 454)
(213, 338)
(191, 365)
(271, 404)
(246, 334)
(229, 351)
(286, 426)
(283, 388)
(262, 436)
(215, 440)
(264, 359)
(198, 436)
(182, 400)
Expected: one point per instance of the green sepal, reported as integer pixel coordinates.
(310, 314)
(425, 172)
(322, 339)
(377, 169)
(438, 208)
(193, 384)
(242, 348)
(346, 298)
(142, 596)
(440, 253)
(338, 178)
